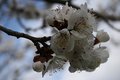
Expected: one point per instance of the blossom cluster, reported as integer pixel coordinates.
(74, 41)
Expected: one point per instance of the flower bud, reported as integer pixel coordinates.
(102, 36)
(38, 66)
(72, 69)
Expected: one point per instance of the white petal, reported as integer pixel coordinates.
(102, 53)
(62, 42)
(77, 35)
(66, 11)
(91, 22)
(56, 30)
(70, 44)
(54, 64)
(50, 19)
(74, 19)
(83, 7)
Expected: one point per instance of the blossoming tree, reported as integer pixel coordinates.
(75, 40)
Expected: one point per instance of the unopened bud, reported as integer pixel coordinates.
(102, 36)
(38, 66)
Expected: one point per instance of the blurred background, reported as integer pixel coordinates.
(27, 16)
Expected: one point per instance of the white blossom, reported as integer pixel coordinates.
(77, 19)
(59, 14)
(62, 42)
(75, 41)
(82, 58)
(82, 19)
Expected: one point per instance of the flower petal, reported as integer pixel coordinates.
(77, 35)
(102, 53)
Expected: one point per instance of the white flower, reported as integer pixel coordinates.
(38, 66)
(75, 40)
(76, 35)
(76, 19)
(59, 15)
(82, 19)
(102, 36)
(62, 42)
(83, 58)
(80, 27)
(80, 24)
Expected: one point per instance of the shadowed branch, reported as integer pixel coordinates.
(35, 40)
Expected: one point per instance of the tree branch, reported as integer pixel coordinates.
(35, 40)
(106, 16)
(23, 35)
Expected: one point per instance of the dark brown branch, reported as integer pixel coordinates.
(42, 40)
(23, 35)
(35, 40)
